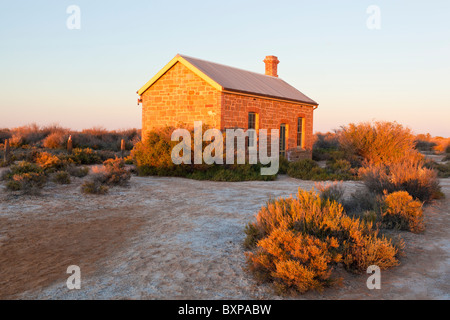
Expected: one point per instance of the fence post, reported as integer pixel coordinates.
(6, 150)
(122, 147)
(69, 145)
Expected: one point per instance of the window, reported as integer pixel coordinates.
(251, 129)
(283, 140)
(300, 132)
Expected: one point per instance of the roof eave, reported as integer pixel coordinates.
(311, 103)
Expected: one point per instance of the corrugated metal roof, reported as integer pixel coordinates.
(234, 79)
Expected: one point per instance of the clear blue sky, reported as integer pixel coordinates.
(89, 77)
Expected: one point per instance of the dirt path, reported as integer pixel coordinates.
(171, 238)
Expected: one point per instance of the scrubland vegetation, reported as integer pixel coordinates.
(38, 155)
(296, 242)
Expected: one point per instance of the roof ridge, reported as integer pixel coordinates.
(225, 65)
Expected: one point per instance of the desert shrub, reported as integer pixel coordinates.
(442, 169)
(320, 154)
(48, 161)
(298, 240)
(79, 172)
(331, 191)
(13, 185)
(29, 183)
(101, 139)
(424, 145)
(26, 177)
(409, 175)
(327, 141)
(362, 201)
(156, 150)
(308, 169)
(341, 167)
(326, 146)
(236, 172)
(283, 165)
(113, 172)
(20, 168)
(29, 134)
(153, 157)
(402, 212)
(293, 260)
(56, 140)
(94, 187)
(55, 137)
(62, 177)
(108, 154)
(305, 169)
(378, 143)
(84, 156)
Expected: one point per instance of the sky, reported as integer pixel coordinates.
(88, 77)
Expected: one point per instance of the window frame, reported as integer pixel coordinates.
(283, 139)
(252, 127)
(301, 132)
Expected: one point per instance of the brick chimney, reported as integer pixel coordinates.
(271, 65)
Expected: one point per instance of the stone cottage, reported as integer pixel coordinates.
(189, 89)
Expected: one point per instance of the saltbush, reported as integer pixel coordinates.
(153, 157)
(24, 176)
(94, 187)
(442, 169)
(307, 169)
(62, 177)
(331, 191)
(112, 173)
(283, 165)
(362, 201)
(295, 243)
(84, 156)
(408, 175)
(402, 212)
(56, 140)
(377, 143)
(78, 172)
(49, 162)
(326, 141)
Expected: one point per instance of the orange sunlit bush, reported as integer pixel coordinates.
(294, 260)
(378, 143)
(403, 212)
(295, 243)
(48, 161)
(407, 175)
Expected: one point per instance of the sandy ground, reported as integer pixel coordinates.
(172, 238)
